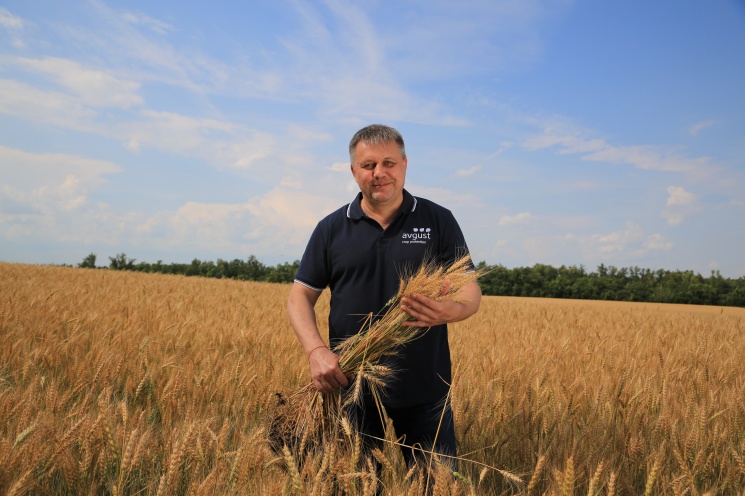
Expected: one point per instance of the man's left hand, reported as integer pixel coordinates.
(428, 312)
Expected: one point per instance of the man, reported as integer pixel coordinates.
(359, 252)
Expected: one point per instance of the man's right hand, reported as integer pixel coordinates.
(325, 372)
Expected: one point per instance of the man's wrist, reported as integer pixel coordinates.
(314, 349)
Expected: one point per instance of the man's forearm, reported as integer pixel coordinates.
(469, 297)
(302, 315)
(323, 364)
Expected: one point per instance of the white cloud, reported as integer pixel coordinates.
(202, 224)
(621, 247)
(117, 37)
(278, 222)
(468, 172)
(651, 158)
(658, 242)
(76, 100)
(26, 171)
(45, 107)
(155, 25)
(301, 135)
(310, 65)
(133, 145)
(291, 183)
(220, 142)
(92, 87)
(678, 196)
(18, 207)
(8, 20)
(645, 157)
(618, 241)
(697, 128)
(511, 220)
(291, 214)
(359, 30)
(46, 195)
(680, 205)
(341, 58)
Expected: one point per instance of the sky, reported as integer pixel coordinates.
(558, 132)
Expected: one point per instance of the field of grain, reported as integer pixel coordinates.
(132, 384)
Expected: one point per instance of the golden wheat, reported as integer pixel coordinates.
(112, 381)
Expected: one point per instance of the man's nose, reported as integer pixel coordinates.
(378, 170)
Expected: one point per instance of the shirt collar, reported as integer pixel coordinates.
(354, 209)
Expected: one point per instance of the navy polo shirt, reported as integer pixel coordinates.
(362, 264)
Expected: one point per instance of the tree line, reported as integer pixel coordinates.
(245, 270)
(611, 283)
(606, 283)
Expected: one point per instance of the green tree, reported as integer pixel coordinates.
(195, 268)
(283, 272)
(88, 262)
(121, 262)
(255, 270)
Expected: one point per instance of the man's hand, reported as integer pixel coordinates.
(324, 364)
(324, 370)
(428, 312)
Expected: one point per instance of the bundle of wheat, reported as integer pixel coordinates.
(307, 417)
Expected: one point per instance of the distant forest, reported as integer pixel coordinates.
(606, 283)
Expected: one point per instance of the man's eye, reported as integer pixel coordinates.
(367, 166)
(389, 163)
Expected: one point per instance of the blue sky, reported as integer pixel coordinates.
(558, 132)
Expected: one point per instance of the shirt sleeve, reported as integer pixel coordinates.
(314, 269)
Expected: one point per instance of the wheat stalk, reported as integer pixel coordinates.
(594, 480)
(536, 474)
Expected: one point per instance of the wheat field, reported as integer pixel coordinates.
(126, 383)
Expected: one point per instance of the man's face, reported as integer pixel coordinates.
(380, 171)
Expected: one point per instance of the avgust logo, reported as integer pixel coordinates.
(420, 235)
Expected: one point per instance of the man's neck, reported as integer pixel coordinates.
(382, 213)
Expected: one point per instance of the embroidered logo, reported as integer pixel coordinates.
(420, 235)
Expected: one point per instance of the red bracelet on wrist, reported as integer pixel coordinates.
(314, 349)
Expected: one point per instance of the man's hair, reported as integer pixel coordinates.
(373, 135)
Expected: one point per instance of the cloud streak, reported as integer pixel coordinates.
(512, 220)
(8, 20)
(697, 128)
(644, 157)
(93, 88)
